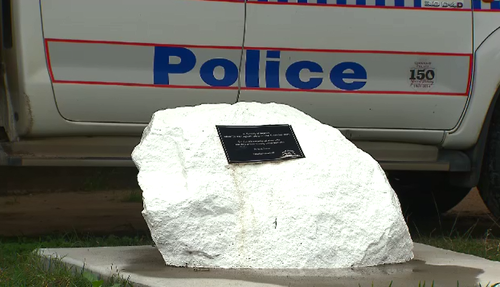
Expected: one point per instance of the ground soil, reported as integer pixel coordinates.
(63, 212)
(36, 201)
(471, 205)
(41, 201)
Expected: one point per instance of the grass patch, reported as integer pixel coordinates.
(485, 248)
(12, 201)
(475, 236)
(98, 181)
(20, 266)
(135, 195)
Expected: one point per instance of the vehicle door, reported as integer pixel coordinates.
(122, 60)
(391, 64)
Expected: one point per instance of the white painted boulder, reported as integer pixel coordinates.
(332, 209)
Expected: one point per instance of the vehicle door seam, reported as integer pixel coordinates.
(242, 49)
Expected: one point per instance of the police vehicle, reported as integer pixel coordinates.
(414, 83)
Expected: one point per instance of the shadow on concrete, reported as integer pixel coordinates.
(150, 264)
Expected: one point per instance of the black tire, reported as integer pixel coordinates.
(489, 181)
(426, 194)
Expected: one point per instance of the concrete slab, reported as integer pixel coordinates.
(144, 266)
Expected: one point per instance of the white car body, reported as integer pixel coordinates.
(410, 81)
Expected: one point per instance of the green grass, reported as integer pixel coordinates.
(485, 248)
(20, 266)
(12, 201)
(135, 195)
(476, 236)
(97, 181)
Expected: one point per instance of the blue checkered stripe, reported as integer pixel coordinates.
(477, 4)
(480, 5)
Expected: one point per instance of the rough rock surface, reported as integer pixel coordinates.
(332, 209)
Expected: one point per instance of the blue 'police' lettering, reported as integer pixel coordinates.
(162, 67)
(252, 68)
(273, 70)
(207, 72)
(348, 76)
(339, 74)
(293, 72)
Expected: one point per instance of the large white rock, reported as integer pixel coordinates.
(332, 209)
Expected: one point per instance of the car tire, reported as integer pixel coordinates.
(489, 180)
(426, 194)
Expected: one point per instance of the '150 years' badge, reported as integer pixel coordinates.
(422, 75)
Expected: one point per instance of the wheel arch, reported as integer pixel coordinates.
(476, 152)
(471, 133)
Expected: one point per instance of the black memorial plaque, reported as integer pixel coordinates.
(259, 143)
